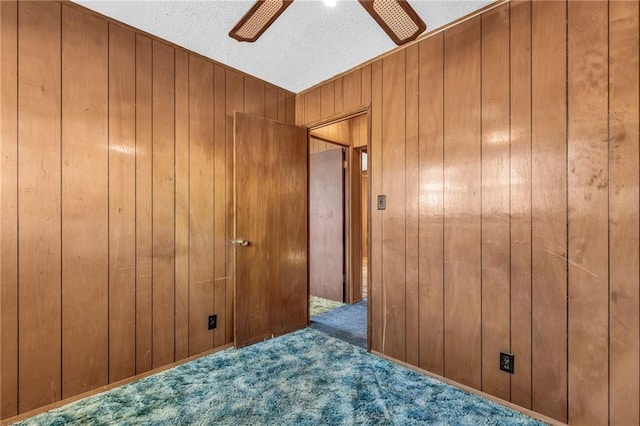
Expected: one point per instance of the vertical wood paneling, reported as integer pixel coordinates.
(117, 133)
(271, 102)
(9, 208)
(312, 105)
(234, 102)
(282, 106)
(623, 220)
(39, 306)
(512, 201)
(366, 85)
(201, 224)
(431, 219)
(85, 239)
(339, 96)
(299, 110)
(291, 105)
(375, 181)
(394, 217)
(352, 90)
(182, 205)
(462, 203)
(327, 99)
(220, 285)
(495, 200)
(520, 179)
(604, 317)
(163, 207)
(412, 210)
(588, 192)
(143, 203)
(122, 203)
(254, 97)
(549, 227)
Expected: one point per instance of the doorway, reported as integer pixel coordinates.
(338, 213)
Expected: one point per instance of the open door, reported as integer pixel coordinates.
(326, 224)
(271, 233)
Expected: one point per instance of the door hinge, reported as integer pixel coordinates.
(344, 164)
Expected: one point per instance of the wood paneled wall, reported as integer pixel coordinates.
(507, 147)
(116, 200)
(319, 145)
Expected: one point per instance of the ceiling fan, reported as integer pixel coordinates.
(396, 17)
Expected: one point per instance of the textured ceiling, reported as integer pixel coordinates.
(309, 43)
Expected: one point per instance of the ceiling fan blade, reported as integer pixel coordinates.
(397, 18)
(258, 19)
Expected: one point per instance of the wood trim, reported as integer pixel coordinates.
(473, 391)
(418, 40)
(336, 118)
(110, 386)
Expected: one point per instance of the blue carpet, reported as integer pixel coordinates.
(303, 378)
(348, 323)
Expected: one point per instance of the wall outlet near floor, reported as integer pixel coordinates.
(507, 362)
(213, 321)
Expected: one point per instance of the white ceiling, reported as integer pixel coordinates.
(309, 43)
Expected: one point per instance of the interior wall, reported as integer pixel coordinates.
(318, 145)
(116, 200)
(507, 147)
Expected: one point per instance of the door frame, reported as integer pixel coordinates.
(352, 154)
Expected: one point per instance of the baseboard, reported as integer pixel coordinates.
(110, 386)
(466, 388)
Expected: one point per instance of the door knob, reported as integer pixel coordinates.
(240, 242)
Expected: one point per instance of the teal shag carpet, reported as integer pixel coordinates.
(303, 378)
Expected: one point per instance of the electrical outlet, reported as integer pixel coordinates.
(382, 202)
(507, 362)
(213, 321)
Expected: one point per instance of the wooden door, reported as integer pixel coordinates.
(270, 202)
(326, 225)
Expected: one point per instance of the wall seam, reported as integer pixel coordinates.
(108, 202)
(153, 43)
(189, 205)
(608, 213)
(381, 138)
(61, 202)
(226, 179)
(444, 218)
(567, 282)
(213, 193)
(404, 110)
(531, 202)
(175, 192)
(419, 202)
(17, 100)
(510, 217)
(481, 207)
(135, 209)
